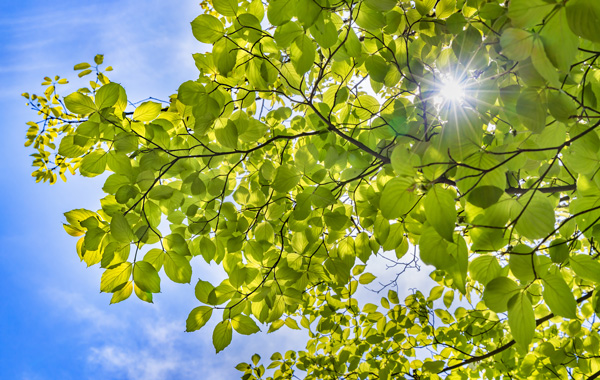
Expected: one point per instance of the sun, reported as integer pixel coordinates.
(451, 91)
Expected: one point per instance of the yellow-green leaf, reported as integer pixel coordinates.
(222, 335)
(147, 111)
(115, 277)
(80, 104)
(146, 277)
(198, 318)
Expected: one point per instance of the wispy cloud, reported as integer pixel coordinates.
(74, 306)
(136, 343)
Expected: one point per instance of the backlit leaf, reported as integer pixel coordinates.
(198, 318)
(115, 277)
(80, 104)
(521, 319)
(147, 111)
(146, 277)
(177, 268)
(222, 335)
(558, 296)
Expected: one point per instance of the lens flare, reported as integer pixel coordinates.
(451, 90)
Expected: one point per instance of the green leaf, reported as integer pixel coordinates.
(84, 73)
(81, 66)
(108, 95)
(485, 196)
(264, 232)
(434, 366)
(115, 277)
(440, 210)
(396, 198)
(583, 17)
(205, 293)
(161, 192)
(558, 296)
(537, 219)
(370, 19)
(120, 229)
(146, 277)
(287, 33)
(93, 164)
(445, 8)
(142, 295)
(77, 216)
(326, 35)
(307, 12)
(352, 45)
(281, 11)
(377, 68)
(424, 6)
(177, 268)
(227, 8)
(80, 104)
(292, 324)
(69, 149)
(198, 318)
(227, 135)
(286, 178)
(527, 13)
(543, 65)
(561, 106)
(156, 257)
(491, 11)
(207, 28)
(532, 111)
(517, 44)
(434, 250)
(521, 319)
(244, 324)
(366, 278)
(303, 54)
(521, 263)
(222, 335)
(191, 93)
(559, 250)
(586, 267)
(560, 43)
(381, 5)
(225, 55)
(147, 111)
(484, 269)
(122, 294)
(498, 292)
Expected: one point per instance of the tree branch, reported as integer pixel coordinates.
(518, 190)
(358, 144)
(538, 322)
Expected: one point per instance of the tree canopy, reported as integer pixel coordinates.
(462, 134)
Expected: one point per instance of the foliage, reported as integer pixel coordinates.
(315, 138)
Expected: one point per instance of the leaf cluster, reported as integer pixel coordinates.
(315, 141)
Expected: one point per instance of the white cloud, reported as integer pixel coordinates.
(136, 341)
(74, 306)
(154, 362)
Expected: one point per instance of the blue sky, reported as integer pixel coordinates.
(55, 322)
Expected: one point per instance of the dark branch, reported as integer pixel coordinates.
(504, 347)
(518, 190)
